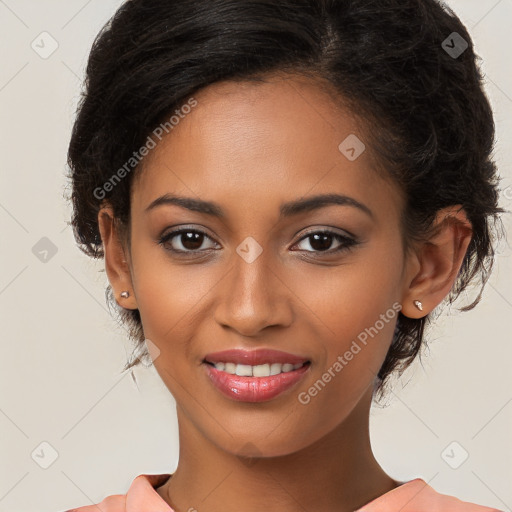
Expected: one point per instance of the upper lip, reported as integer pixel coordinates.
(253, 357)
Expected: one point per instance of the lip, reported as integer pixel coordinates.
(254, 389)
(254, 357)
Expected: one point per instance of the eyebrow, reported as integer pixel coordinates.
(286, 210)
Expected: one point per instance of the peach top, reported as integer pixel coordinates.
(413, 496)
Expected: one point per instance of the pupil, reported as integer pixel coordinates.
(321, 241)
(192, 240)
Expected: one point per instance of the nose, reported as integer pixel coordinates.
(253, 297)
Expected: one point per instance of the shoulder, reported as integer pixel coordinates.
(418, 496)
(140, 494)
(413, 496)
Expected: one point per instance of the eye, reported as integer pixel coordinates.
(321, 241)
(187, 241)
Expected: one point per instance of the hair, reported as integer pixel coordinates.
(423, 110)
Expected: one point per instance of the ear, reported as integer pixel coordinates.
(116, 264)
(434, 265)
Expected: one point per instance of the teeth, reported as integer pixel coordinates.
(275, 368)
(230, 368)
(244, 370)
(261, 370)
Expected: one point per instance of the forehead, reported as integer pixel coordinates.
(256, 140)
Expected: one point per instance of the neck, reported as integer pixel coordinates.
(337, 472)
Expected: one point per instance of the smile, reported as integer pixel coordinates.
(260, 370)
(244, 386)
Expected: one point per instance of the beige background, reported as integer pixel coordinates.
(61, 354)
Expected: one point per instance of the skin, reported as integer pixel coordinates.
(251, 147)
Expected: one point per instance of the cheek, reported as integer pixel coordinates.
(168, 294)
(350, 298)
(352, 359)
(355, 308)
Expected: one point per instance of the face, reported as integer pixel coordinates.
(307, 281)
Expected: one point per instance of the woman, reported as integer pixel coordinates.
(283, 192)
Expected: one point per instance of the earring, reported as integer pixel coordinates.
(418, 304)
(125, 295)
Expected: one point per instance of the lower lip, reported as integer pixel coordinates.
(254, 389)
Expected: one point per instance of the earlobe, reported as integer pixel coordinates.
(118, 271)
(440, 259)
(418, 304)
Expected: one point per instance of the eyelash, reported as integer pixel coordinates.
(346, 242)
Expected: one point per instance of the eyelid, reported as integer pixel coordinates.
(329, 230)
(345, 239)
(173, 230)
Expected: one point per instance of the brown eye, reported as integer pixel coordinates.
(322, 241)
(185, 240)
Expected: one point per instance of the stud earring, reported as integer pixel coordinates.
(125, 295)
(418, 304)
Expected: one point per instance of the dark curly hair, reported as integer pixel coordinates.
(422, 107)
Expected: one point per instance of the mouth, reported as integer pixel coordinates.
(260, 370)
(254, 376)
(257, 357)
